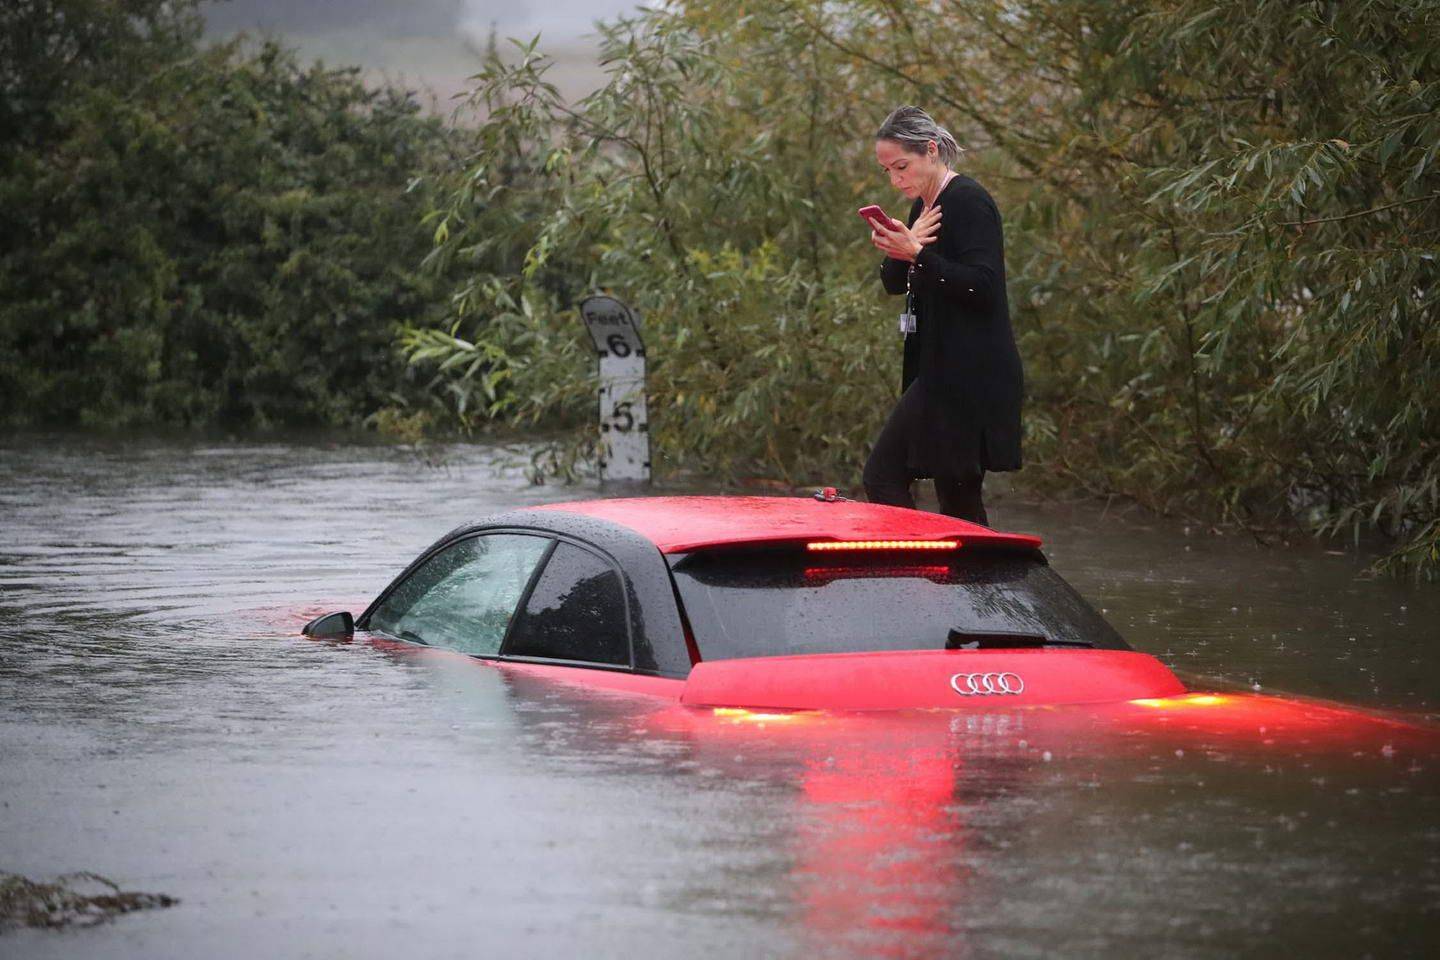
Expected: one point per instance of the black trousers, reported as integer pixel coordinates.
(888, 477)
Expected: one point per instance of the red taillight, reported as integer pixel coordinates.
(821, 546)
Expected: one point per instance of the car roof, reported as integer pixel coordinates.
(682, 524)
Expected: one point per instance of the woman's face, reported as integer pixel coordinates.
(910, 173)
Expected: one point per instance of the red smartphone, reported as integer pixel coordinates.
(876, 216)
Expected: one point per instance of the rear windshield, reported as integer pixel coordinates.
(762, 604)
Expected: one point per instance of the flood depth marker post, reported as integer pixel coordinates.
(624, 421)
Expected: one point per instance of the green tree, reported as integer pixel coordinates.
(204, 236)
(51, 48)
(1221, 223)
(702, 186)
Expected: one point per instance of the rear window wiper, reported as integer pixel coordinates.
(1003, 640)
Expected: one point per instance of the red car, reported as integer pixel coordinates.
(764, 602)
(767, 608)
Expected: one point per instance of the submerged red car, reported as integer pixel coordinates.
(763, 603)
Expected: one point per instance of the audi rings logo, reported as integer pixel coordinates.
(987, 684)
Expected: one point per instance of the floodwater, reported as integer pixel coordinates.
(162, 724)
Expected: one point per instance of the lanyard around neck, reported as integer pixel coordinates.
(949, 175)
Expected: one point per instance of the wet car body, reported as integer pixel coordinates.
(764, 603)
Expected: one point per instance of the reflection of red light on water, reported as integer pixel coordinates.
(876, 852)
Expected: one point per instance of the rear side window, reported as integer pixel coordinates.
(760, 604)
(463, 597)
(575, 612)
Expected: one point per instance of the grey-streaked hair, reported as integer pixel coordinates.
(913, 129)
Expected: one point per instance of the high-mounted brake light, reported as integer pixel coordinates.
(820, 546)
(874, 573)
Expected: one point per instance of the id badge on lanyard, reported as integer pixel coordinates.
(907, 319)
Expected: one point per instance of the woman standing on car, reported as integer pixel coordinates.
(959, 409)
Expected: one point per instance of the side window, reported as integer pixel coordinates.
(464, 596)
(575, 612)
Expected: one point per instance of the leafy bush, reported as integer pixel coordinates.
(201, 236)
(1232, 276)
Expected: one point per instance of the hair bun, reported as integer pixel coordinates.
(914, 130)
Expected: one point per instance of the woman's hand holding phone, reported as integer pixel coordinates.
(894, 239)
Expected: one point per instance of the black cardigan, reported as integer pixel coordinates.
(963, 351)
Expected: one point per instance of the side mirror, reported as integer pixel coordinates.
(339, 624)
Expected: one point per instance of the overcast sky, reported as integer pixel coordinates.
(562, 19)
(425, 43)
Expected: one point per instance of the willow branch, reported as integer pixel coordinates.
(1359, 213)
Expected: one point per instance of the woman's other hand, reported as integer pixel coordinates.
(905, 243)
